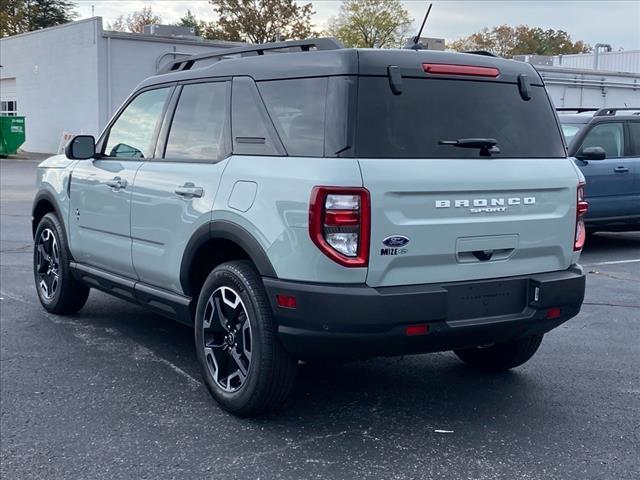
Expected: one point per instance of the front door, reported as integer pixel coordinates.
(100, 190)
(610, 182)
(173, 195)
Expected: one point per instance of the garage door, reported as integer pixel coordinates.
(8, 97)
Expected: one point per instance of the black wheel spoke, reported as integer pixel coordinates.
(43, 254)
(238, 362)
(223, 321)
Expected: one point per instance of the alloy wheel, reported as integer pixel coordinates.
(227, 339)
(48, 263)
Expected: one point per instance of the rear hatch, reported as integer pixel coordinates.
(444, 213)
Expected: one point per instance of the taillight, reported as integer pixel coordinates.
(448, 69)
(581, 210)
(339, 224)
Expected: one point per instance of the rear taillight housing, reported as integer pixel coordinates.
(339, 224)
(581, 210)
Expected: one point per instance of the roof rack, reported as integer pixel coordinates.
(605, 112)
(576, 109)
(253, 50)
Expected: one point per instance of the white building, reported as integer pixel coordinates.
(593, 80)
(73, 77)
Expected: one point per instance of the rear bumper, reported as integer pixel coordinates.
(359, 321)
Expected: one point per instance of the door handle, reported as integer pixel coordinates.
(621, 169)
(116, 183)
(189, 190)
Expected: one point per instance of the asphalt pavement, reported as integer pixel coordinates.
(114, 392)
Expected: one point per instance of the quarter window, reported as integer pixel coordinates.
(197, 131)
(297, 108)
(132, 135)
(608, 136)
(252, 130)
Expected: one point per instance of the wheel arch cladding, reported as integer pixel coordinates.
(44, 203)
(217, 242)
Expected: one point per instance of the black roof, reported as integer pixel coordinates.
(336, 61)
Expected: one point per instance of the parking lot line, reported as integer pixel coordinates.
(613, 262)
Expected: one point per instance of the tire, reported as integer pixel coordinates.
(501, 356)
(58, 291)
(244, 381)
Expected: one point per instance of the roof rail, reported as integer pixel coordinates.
(252, 50)
(605, 112)
(576, 109)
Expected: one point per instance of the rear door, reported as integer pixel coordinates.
(100, 189)
(442, 213)
(173, 194)
(633, 136)
(610, 182)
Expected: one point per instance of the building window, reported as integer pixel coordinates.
(9, 107)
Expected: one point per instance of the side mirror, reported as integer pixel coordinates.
(592, 153)
(81, 147)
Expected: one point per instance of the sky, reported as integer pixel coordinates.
(594, 21)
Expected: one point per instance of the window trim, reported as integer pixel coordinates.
(167, 123)
(104, 136)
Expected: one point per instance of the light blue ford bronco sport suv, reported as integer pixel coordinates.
(305, 202)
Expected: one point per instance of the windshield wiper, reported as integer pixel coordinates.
(487, 146)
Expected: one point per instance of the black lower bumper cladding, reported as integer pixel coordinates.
(362, 321)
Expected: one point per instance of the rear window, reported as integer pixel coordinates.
(410, 125)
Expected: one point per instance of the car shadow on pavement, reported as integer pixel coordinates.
(610, 242)
(426, 391)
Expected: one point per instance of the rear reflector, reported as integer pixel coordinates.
(339, 218)
(286, 301)
(413, 330)
(446, 69)
(553, 313)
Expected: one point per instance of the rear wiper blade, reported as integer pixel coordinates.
(487, 146)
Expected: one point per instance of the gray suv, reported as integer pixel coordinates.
(301, 201)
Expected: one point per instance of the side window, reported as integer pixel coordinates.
(609, 136)
(251, 127)
(297, 108)
(634, 138)
(131, 136)
(198, 128)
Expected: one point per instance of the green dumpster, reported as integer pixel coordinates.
(11, 134)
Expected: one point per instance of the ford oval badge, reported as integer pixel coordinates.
(395, 241)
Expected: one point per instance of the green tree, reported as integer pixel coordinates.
(136, 21)
(190, 20)
(208, 30)
(371, 23)
(19, 16)
(508, 41)
(260, 21)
